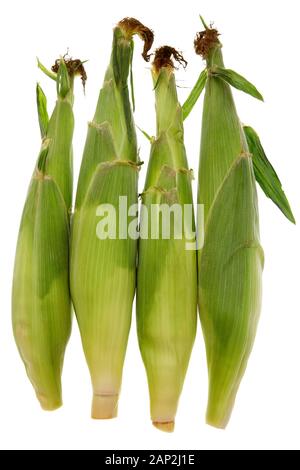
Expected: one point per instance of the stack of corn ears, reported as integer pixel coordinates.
(41, 304)
(231, 261)
(167, 269)
(103, 269)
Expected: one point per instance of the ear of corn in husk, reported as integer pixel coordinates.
(41, 306)
(167, 273)
(231, 262)
(103, 270)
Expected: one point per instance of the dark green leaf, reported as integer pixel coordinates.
(42, 110)
(266, 175)
(194, 95)
(237, 81)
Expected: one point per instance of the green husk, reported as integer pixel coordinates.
(231, 261)
(103, 271)
(41, 305)
(167, 273)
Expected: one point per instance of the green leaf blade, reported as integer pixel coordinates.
(266, 175)
(194, 95)
(237, 81)
(145, 134)
(46, 71)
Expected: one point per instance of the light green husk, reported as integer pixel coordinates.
(231, 262)
(103, 271)
(41, 306)
(167, 273)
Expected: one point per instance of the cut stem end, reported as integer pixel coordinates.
(164, 426)
(105, 406)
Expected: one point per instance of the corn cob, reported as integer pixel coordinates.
(41, 306)
(103, 271)
(231, 261)
(167, 271)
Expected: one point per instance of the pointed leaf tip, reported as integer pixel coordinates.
(237, 81)
(203, 22)
(194, 95)
(266, 175)
(145, 134)
(46, 71)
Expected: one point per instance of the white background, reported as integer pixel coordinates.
(260, 41)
